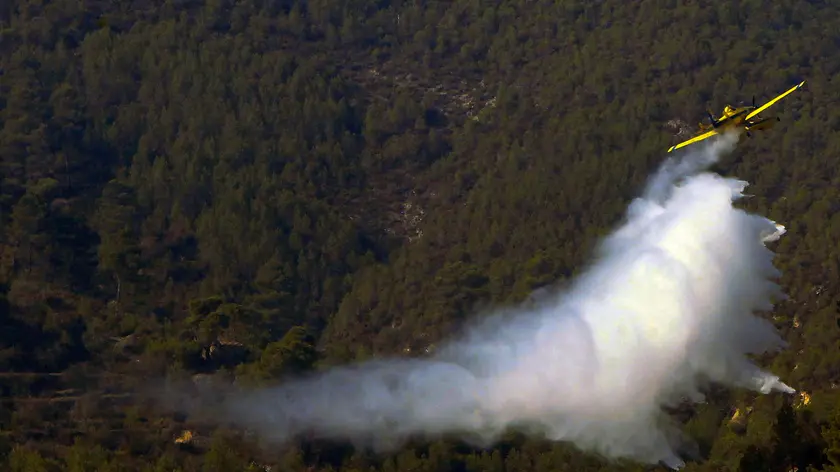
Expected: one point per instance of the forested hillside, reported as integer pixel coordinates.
(209, 190)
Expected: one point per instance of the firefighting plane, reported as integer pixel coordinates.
(737, 117)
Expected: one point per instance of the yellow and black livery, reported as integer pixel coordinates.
(737, 117)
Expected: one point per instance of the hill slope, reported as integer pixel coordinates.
(183, 187)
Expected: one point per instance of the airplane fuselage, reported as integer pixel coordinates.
(735, 118)
(740, 118)
(732, 117)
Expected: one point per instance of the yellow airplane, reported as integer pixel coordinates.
(740, 117)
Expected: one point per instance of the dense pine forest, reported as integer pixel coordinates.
(211, 191)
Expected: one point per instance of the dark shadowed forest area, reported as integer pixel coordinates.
(204, 190)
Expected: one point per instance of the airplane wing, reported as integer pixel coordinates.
(694, 139)
(771, 102)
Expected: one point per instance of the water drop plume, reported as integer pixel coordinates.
(669, 298)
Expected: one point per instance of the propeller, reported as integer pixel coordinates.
(711, 119)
